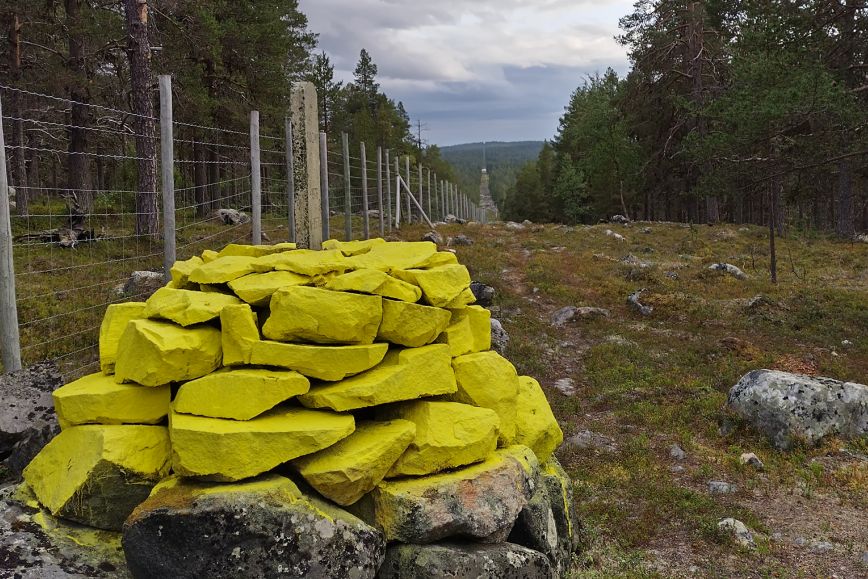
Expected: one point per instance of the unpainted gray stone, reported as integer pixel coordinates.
(499, 337)
(460, 240)
(464, 561)
(484, 293)
(433, 237)
(142, 284)
(585, 439)
(717, 487)
(566, 386)
(739, 531)
(676, 452)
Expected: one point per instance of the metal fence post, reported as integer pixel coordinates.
(290, 181)
(409, 219)
(421, 203)
(10, 341)
(255, 179)
(348, 193)
(380, 190)
(388, 191)
(428, 171)
(366, 227)
(397, 191)
(324, 183)
(167, 162)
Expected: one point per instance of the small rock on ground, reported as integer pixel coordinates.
(676, 452)
(484, 293)
(460, 240)
(499, 337)
(566, 386)
(717, 487)
(751, 459)
(588, 440)
(739, 530)
(433, 237)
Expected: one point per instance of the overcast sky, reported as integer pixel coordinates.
(475, 70)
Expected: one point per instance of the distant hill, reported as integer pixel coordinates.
(503, 160)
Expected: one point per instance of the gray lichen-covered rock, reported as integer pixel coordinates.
(465, 561)
(264, 527)
(484, 293)
(499, 337)
(793, 407)
(480, 501)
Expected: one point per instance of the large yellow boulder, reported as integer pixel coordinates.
(222, 270)
(96, 474)
(395, 255)
(448, 435)
(440, 285)
(375, 282)
(98, 399)
(181, 271)
(403, 375)
(309, 314)
(239, 394)
(488, 380)
(346, 471)
(411, 325)
(153, 353)
(469, 331)
(319, 362)
(465, 298)
(357, 247)
(235, 249)
(307, 262)
(536, 425)
(239, 333)
(438, 259)
(112, 328)
(186, 307)
(231, 450)
(256, 289)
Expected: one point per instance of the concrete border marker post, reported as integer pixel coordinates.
(309, 167)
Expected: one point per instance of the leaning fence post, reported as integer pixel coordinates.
(255, 179)
(388, 191)
(10, 341)
(167, 162)
(380, 190)
(324, 184)
(366, 227)
(348, 192)
(290, 181)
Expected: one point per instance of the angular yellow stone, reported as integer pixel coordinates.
(256, 289)
(223, 269)
(395, 255)
(307, 262)
(488, 380)
(255, 250)
(403, 375)
(468, 331)
(231, 450)
(319, 362)
(209, 255)
(187, 307)
(411, 325)
(181, 271)
(465, 298)
(440, 285)
(97, 474)
(98, 399)
(153, 353)
(536, 425)
(480, 327)
(372, 281)
(351, 468)
(357, 247)
(239, 394)
(239, 332)
(438, 259)
(448, 435)
(112, 328)
(323, 316)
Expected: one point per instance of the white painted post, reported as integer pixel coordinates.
(366, 227)
(429, 195)
(421, 202)
(255, 179)
(290, 181)
(380, 191)
(409, 218)
(348, 194)
(167, 168)
(324, 185)
(10, 340)
(397, 192)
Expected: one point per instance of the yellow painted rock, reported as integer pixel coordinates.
(448, 435)
(112, 328)
(231, 450)
(209, 255)
(239, 394)
(255, 250)
(96, 475)
(320, 362)
(488, 380)
(440, 285)
(395, 255)
(256, 289)
(307, 262)
(98, 399)
(403, 375)
(181, 271)
(536, 425)
(465, 298)
(187, 307)
(322, 316)
(239, 333)
(438, 259)
(349, 248)
(346, 471)
(411, 325)
(153, 353)
(223, 269)
(372, 281)
(469, 331)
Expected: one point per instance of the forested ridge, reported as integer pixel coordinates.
(732, 110)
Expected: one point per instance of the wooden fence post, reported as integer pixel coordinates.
(366, 227)
(255, 179)
(290, 181)
(380, 191)
(10, 341)
(167, 168)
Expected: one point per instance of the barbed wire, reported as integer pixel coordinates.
(73, 102)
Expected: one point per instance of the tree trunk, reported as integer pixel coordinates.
(773, 202)
(844, 223)
(77, 166)
(18, 167)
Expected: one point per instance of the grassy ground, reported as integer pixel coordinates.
(650, 382)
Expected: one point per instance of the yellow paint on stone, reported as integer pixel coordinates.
(349, 248)
(375, 282)
(351, 468)
(181, 271)
(488, 380)
(395, 256)
(256, 289)
(231, 450)
(239, 394)
(98, 399)
(537, 426)
(411, 325)
(112, 328)
(469, 331)
(238, 333)
(448, 435)
(223, 269)
(440, 285)
(153, 353)
(465, 298)
(187, 307)
(235, 249)
(438, 259)
(307, 262)
(319, 362)
(323, 316)
(403, 375)
(209, 255)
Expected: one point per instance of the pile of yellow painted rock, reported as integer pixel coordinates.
(284, 412)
